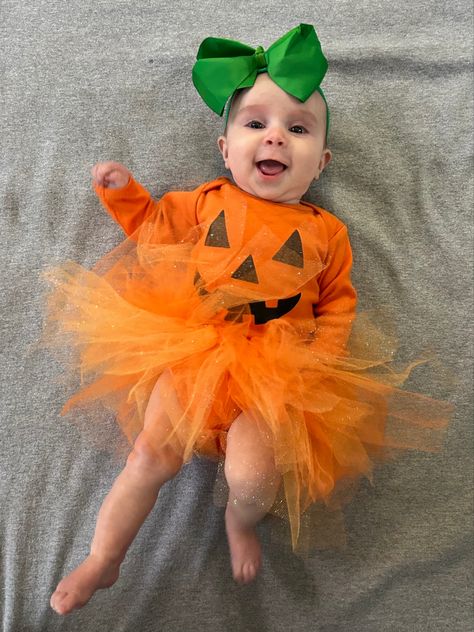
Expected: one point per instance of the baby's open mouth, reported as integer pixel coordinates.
(270, 167)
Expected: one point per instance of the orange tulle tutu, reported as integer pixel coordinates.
(145, 309)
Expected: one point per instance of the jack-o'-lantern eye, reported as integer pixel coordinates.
(291, 252)
(217, 234)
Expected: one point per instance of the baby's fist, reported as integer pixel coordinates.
(111, 175)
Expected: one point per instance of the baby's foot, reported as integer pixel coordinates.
(245, 552)
(75, 590)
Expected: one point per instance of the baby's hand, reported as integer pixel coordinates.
(111, 175)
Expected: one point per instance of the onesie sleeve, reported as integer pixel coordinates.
(336, 306)
(131, 205)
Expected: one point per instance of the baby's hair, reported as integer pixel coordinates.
(229, 106)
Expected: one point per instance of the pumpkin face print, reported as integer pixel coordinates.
(260, 266)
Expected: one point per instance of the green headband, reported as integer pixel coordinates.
(295, 63)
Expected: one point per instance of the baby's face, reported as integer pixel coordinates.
(275, 145)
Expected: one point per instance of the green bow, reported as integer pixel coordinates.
(295, 63)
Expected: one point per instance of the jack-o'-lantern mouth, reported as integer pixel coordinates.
(263, 311)
(271, 167)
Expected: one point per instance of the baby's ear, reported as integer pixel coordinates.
(326, 158)
(222, 144)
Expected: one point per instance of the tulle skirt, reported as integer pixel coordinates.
(145, 309)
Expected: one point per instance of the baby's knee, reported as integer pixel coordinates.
(252, 484)
(162, 462)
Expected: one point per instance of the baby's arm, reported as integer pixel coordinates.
(130, 204)
(125, 199)
(335, 310)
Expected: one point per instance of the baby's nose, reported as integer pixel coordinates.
(274, 137)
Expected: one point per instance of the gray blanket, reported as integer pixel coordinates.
(95, 80)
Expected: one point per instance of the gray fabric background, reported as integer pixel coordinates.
(93, 80)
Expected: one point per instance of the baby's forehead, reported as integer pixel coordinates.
(266, 93)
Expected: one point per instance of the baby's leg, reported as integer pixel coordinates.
(253, 482)
(124, 509)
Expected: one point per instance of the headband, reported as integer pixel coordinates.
(295, 63)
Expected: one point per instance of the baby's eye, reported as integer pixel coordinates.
(255, 125)
(298, 129)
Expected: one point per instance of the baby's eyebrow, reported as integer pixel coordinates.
(249, 109)
(305, 115)
(302, 115)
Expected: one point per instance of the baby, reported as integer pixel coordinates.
(274, 146)
(237, 348)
